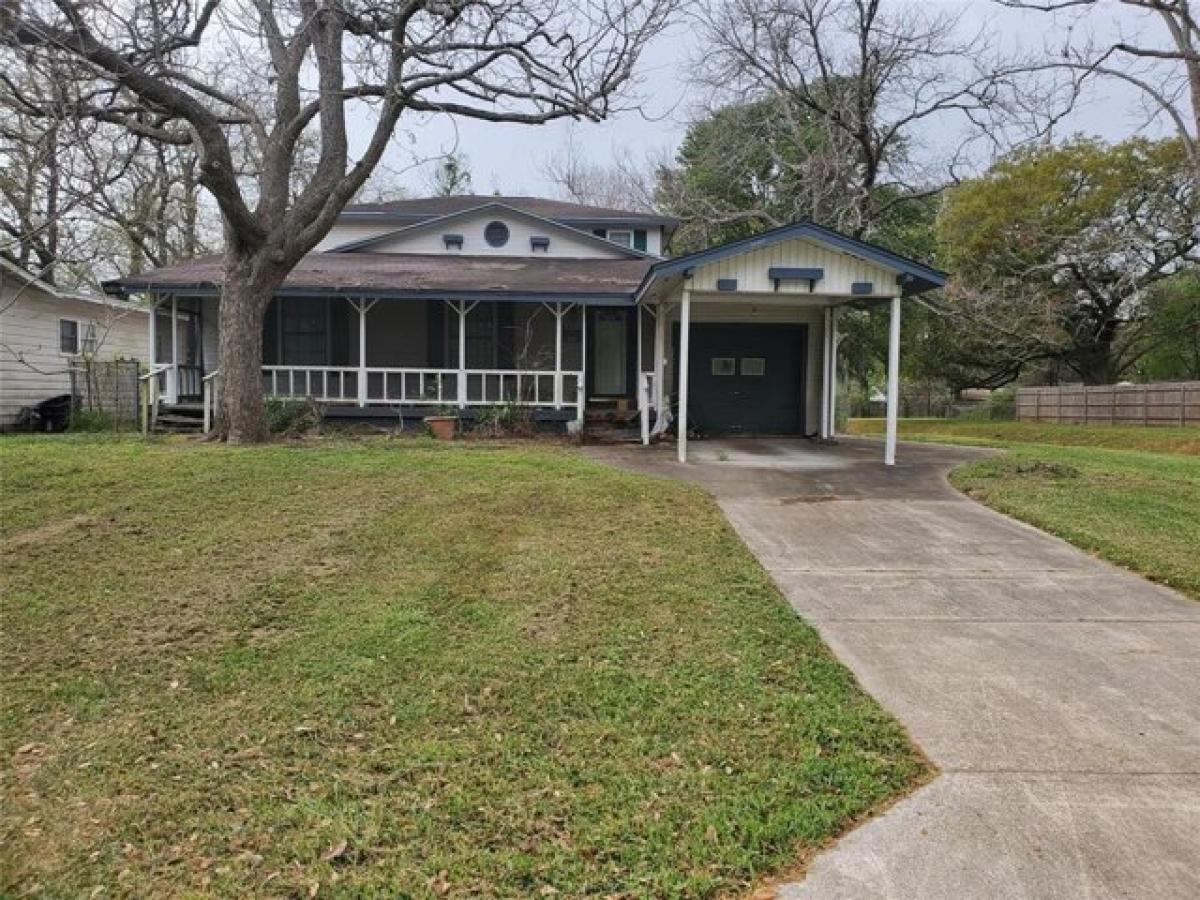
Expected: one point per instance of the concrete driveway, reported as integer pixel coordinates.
(1058, 695)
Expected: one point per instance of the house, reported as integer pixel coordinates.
(473, 301)
(44, 331)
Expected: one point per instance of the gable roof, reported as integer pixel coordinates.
(564, 211)
(915, 277)
(499, 208)
(416, 276)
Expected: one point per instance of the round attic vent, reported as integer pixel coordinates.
(496, 234)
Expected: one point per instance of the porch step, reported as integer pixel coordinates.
(608, 434)
(180, 418)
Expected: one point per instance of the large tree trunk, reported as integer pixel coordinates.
(247, 291)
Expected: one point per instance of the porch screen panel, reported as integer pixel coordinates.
(305, 341)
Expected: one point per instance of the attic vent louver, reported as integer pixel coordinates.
(452, 241)
(726, 284)
(539, 242)
(812, 276)
(860, 288)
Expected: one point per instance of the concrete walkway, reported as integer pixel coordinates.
(1058, 695)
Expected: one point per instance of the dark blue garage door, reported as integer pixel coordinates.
(747, 379)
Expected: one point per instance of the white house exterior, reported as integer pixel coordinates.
(470, 302)
(42, 329)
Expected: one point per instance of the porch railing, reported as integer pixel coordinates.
(152, 379)
(424, 387)
(189, 383)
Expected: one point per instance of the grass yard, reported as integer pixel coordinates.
(999, 434)
(1130, 495)
(394, 668)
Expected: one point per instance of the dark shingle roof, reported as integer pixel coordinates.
(424, 208)
(396, 274)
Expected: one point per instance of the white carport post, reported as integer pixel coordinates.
(826, 359)
(893, 384)
(685, 329)
(834, 339)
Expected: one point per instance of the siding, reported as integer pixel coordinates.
(841, 270)
(31, 366)
(428, 239)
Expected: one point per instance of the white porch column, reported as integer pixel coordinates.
(660, 363)
(893, 384)
(173, 380)
(363, 307)
(462, 354)
(685, 328)
(558, 380)
(582, 392)
(826, 356)
(833, 372)
(152, 333)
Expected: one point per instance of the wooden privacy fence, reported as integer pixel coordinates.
(1164, 403)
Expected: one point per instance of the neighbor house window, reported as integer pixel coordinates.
(753, 365)
(624, 238)
(68, 336)
(724, 365)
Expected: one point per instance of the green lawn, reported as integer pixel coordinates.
(998, 434)
(1130, 495)
(396, 668)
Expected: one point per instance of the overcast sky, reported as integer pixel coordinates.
(509, 158)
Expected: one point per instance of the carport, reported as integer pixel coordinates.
(745, 335)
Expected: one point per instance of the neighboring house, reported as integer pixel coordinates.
(474, 301)
(45, 330)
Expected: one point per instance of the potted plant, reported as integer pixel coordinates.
(443, 424)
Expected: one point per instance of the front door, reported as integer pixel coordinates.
(747, 379)
(611, 345)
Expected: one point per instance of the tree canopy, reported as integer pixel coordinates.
(1054, 248)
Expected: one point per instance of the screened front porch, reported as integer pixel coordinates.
(426, 353)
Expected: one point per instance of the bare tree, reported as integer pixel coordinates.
(855, 83)
(622, 184)
(1163, 66)
(81, 200)
(451, 176)
(300, 66)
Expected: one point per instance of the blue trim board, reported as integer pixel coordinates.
(208, 289)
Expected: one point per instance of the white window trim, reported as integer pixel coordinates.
(58, 336)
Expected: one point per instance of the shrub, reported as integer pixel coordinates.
(504, 418)
(92, 420)
(290, 417)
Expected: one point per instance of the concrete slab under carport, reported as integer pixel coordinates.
(1057, 694)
